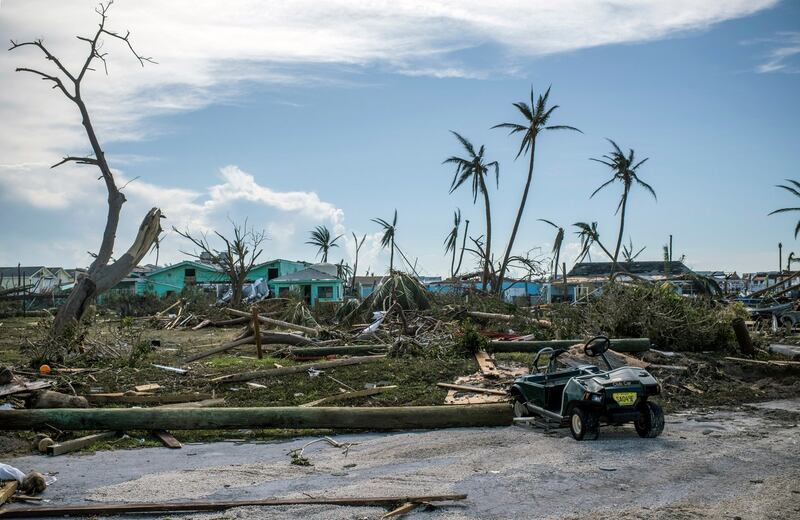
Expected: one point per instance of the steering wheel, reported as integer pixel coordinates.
(596, 346)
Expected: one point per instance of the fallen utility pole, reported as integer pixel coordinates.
(291, 417)
(348, 350)
(215, 505)
(620, 345)
(508, 317)
(277, 323)
(296, 369)
(474, 389)
(349, 395)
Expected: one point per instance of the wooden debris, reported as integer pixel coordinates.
(293, 417)
(507, 317)
(676, 368)
(775, 363)
(403, 509)
(167, 439)
(89, 510)
(147, 388)
(349, 395)
(485, 361)
(249, 376)
(475, 389)
(180, 371)
(278, 323)
(205, 403)
(79, 443)
(202, 324)
(617, 345)
(50, 399)
(25, 386)
(348, 350)
(276, 338)
(255, 385)
(8, 489)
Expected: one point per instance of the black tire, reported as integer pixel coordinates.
(650, 423)
(519, 407)
(584, 424)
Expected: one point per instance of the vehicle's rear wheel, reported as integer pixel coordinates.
(584, 424)
(519, 407)
(650, 423)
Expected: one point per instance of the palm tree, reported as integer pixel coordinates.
(387, 240)
(628, 251)
(321, 238)
(474, 168)
(556, 245)
(794, 190)
(623, 170)
(451, 241)
(589, 236)
(536, 116)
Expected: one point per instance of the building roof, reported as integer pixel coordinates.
(191, 263)
(274, 260)
(12, 272)
(647, 268)
(309, 274)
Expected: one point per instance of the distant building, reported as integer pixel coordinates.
(275, 268)
(521, 291)
(172, 279)
(366, 285)
(38, 279)
(313, 284)
(730, 283)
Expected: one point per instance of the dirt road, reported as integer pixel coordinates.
(742, 463)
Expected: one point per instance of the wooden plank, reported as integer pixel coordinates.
(120, 398)
(79, 443)
(18, 388)
(147, 388)
(257, 334)
(403, 509)
(8, 489)
(485, 361)
(349, 395)
(277, 323)
(217, 505)
(205, 403)
(249, 376)
(204, 323)
(476, 389)
(167, 439)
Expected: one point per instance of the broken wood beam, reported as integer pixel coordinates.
(475, 389)
(508, 317)
(348, 350)
(620, 345)
(7, 490)
(80, 443)
(90, 510)
(349, 395)
(167, 439)
(273, 338)
(277, 323)
(296, 369)
(290, 417)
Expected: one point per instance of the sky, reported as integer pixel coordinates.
(304, 113)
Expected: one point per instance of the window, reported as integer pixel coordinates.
(325, 292)
(272, 272)
(188, 272)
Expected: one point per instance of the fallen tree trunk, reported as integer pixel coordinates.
(122, 398)
(348, 350)
(277, 323)
(474, 389)
(349, 395)
(249, 376)
(388, 418)
(620, 345)
(91, 510)
(274, 338)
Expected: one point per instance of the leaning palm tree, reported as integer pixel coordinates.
(451, 241)
(557, 243)
(589, 236)
(794, 190)
(474, 168)
(387, 240)
(535, 118)
(321, 238)
(624, 169)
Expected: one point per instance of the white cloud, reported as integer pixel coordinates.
(782, 56)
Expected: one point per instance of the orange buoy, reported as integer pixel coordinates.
(45, 370)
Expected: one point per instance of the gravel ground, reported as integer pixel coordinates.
(727, 463)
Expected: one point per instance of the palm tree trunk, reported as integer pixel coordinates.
(558, 255)
(453, 260)
(488, 250)
(463, 247)
(621, 230)
(520, 211)
(391, 257)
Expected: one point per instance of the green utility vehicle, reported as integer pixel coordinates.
(585, 397)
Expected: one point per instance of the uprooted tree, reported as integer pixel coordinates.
(103, 273)
(236, 259)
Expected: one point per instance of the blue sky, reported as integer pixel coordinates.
(306, 132)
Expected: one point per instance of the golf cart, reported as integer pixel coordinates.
(584, 397)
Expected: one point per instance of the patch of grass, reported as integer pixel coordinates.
(247, 362)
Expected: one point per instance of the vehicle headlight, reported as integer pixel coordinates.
(597, 398)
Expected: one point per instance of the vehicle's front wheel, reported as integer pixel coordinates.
(650, 423)
(519, 407)
(584, 424)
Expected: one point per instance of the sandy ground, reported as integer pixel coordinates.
(729, 463)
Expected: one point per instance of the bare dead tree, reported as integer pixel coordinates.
(101, 274)
(358, 243)
(236, 258)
